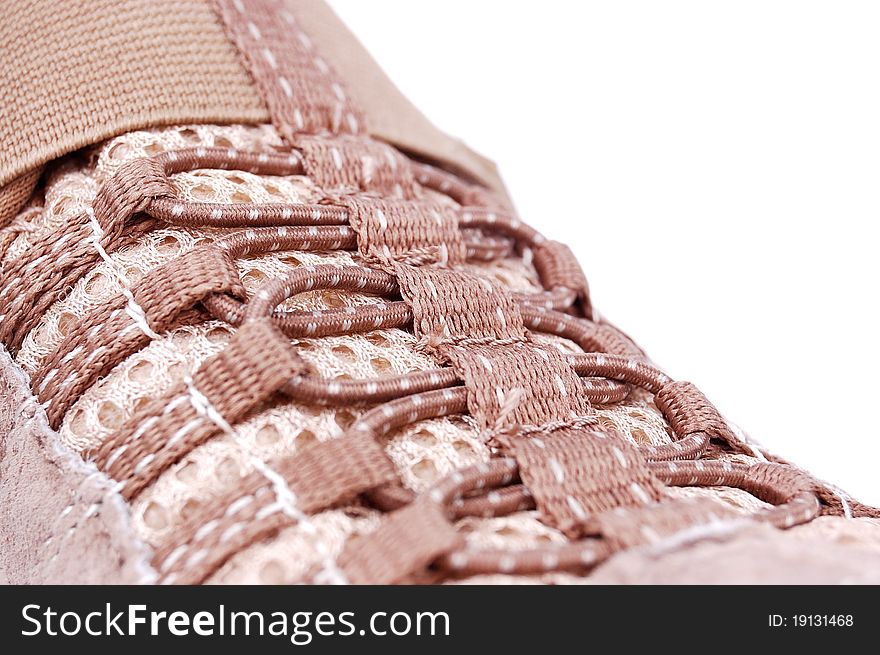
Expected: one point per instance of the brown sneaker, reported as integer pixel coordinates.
(263, 323)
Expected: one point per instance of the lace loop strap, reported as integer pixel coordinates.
(161, 300)
(253, 366)
(128, 192)
(348, 164)
(321, 476)
(453, 304)
(405, 230)
(689, 412)
(183, 282)
(337, 470)
(477, 326)
(574, 474)
(517, 385)
(558, 267)
(406, 542)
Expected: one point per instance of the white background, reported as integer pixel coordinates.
(715, 167)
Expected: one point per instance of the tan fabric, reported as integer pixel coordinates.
(16, 193)
(179, 68)
(73, 73)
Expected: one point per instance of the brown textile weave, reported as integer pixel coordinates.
(517, 386)
(178, 68)
(129, 192)
(334, 471)
(404, 230)
(689, 411)
(223, 529)
(14, 195)
(557, 266)
(576, 473)
(182, 68)
(450, 303)
(322, 476)
(406, 542)
(301, 91)
(252, 367)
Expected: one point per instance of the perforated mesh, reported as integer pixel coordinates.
(423, 453)
(69, 190)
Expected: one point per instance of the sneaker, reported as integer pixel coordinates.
(262, 322)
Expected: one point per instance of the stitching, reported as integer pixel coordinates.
(133, 309)
(285, 498)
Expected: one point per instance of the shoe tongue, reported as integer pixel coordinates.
(69, 77)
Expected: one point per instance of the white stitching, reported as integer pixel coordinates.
(286, 499)
(133, 309)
